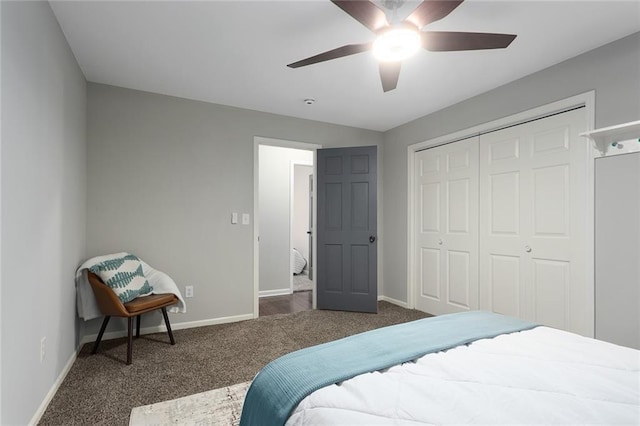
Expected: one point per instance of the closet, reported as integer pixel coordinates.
(500, 224)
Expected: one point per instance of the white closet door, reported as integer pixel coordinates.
(533, 186)
(446, 225)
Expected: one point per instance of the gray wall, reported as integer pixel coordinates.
(164, 176)
(617, 247)
(275, 214)
(43, 203)
(613, 71)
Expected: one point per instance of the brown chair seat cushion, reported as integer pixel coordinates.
(153, 301)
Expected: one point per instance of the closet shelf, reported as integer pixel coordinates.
(609, 140)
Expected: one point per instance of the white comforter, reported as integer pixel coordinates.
(539, 376)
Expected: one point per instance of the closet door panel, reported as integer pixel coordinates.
(458, 278)
(430, 207)
(445, 220)
(504, 207)
(551, 201)
(533, 187)
(429, 274)
(502, 212)
(551, 292)
(458, 206)
(429, 170)
(504, 285)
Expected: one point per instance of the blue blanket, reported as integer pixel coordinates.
(282, 384)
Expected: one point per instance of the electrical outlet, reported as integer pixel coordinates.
(42, 348)
(188, 291)
(245, 218)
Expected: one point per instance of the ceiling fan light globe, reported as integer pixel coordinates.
(396, 44)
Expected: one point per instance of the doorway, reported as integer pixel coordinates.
(301, 226)
(283, 226)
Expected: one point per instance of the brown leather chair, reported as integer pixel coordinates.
(111, 306)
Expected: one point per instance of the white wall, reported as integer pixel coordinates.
(301, 208)
(43, 204)
(613, 71)
(275, 214)
(164, 176)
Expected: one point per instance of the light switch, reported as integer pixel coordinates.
(234, 218)
(245, 218)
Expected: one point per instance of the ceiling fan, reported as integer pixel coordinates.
(396, 42)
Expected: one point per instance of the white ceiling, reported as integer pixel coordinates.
(235, 52)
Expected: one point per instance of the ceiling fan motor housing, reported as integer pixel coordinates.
(396, 42)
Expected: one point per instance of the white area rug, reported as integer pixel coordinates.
(301, 282)
(215, 407)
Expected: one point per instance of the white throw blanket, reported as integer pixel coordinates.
(86, 301)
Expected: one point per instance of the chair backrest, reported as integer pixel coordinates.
(107, 300)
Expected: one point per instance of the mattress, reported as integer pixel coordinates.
(537, 376)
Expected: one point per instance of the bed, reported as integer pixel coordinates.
(470, 368)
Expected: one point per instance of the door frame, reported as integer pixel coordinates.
(257, 141)
(586, 100)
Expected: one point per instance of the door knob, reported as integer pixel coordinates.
(440, 241)
(527, 249)
(372, 239)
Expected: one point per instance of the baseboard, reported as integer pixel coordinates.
(278, 292)
(54, 388)
(162, 328)
(394, 301)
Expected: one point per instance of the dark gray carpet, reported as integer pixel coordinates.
(102, 389)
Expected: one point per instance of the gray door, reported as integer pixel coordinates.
(346, 271)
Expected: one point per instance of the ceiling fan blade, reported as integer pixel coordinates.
(389, 73)
(349, 49)
(432, 10)
(365, 12)
(442, 41)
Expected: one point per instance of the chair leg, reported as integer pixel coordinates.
(166, 321)
(130, 340)
(138, 326)
(104, 326)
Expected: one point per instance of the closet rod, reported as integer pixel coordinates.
(503, 127)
